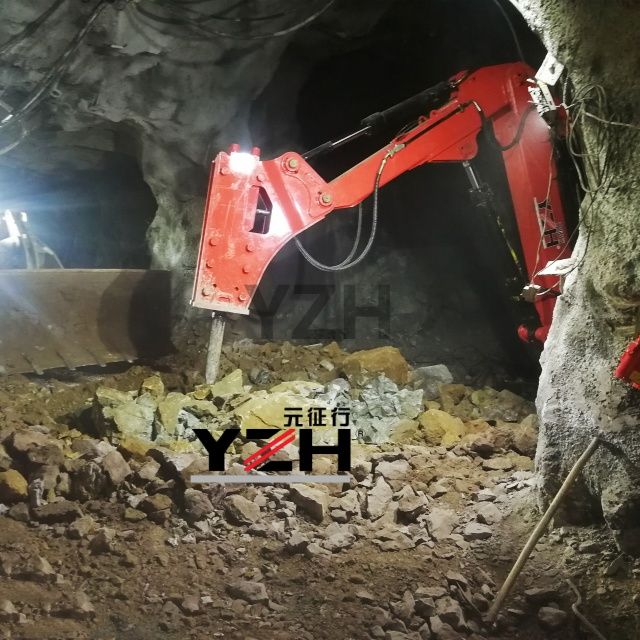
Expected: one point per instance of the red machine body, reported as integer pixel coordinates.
(254, 207)
(628, 368)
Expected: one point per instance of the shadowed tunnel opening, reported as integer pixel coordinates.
(92, 218)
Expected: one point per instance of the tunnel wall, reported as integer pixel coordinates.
(597, 315)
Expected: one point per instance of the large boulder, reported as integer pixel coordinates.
(383, 360)
(13, 486)
(439, 427)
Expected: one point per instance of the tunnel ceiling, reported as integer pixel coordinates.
(159, 79)
(143, 82)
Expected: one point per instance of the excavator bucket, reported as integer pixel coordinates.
(51, 318)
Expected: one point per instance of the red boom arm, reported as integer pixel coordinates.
(255, 207)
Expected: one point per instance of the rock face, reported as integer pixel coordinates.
(596, 315)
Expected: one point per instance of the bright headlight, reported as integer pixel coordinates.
(243, 163)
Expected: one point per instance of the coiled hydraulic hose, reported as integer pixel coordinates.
(348, 262)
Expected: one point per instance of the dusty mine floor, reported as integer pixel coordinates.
(103, 536)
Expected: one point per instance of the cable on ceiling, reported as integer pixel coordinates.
(55, 73)
(203, 17)
(509, 22)
(208, 31)
(31, 28)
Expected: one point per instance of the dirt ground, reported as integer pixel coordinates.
(432, 575)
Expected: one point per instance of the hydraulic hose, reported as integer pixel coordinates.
(347, 263)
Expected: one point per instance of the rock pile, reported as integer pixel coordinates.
(366, 383)
(466, 448)
(144, 449)
(398, 499)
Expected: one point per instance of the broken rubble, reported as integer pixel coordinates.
(378, 498)
(501, 405)
(78, 607)
(190, 605)
(103, 541)
(116, 412)
(360, 469)
(24, 440)
(81, 527)
(488, 513)
(5, 459)
(552, 618)
(393, 540)
(425, 607)
(116, 467)
(149, 470)
(55, 512)
(241, 511)
(252, 592)
(541, 595)
(348, 503)
(441, 428)
(410, 507)
(87, 479)
(156, 502)
(40, 570)
(477, 531)
(153, 385)
(196, 505)
(498, 463)
(380, 407)
(296, 543)
(133, 515)
(393, 470)
(20, 512)
(525, 436)
(8, 612)
(313, 502)
(382, 360)
(405, 431)
(450, 612)
(338, 537)
(267, 409)
(441, 522)
(430, 378)
(443, 630)
(228, 386)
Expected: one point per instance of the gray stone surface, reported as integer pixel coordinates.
(595, 317)
(381, 406)
(430, 378)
